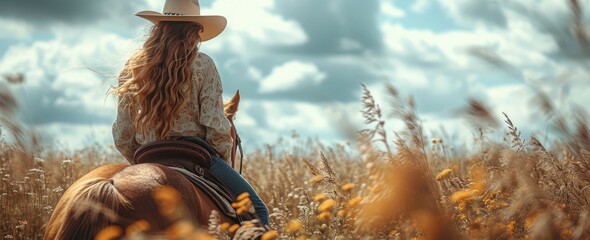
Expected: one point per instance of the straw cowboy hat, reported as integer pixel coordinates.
(187, 11)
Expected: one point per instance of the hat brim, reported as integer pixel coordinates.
(212, 25)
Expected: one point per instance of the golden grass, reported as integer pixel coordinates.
(383, 186)
(512, 189)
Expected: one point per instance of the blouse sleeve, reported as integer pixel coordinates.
(212, 116)
(124, 131)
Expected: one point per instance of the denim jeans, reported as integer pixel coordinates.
(238, 185)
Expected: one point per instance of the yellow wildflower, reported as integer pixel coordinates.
(325, 216)
(138, 226)
(347, 187)
(319, 197)
(270, 235)
(461, 196)
(293, 226)
(241, 210)
(234, 228)
(326, 205)
(341, 213)
(110, 232)
(243, 196)
(443, 174)
(316, 179)
(353, 202)
(224, 226)
(179, 229)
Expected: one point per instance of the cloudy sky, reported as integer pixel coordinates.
(299, 63)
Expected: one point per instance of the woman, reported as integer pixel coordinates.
(169, 90)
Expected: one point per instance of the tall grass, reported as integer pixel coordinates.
(386, 185)
(394, 186)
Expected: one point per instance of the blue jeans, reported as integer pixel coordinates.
(238, 185)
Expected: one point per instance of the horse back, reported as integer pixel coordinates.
(121, 195)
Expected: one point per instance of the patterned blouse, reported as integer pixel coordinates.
(202, 117)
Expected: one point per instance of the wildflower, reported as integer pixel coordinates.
(347, 187)
(325, 216)
(341, 213)
(320, 197)
(461, 196)
(243, 196)
(179, 229)
(316, 179)
(270, 235)
(353, 202)
(244, 202)
(293, 226)
(443, 174)
(224, 226)
(326, 205)
(234, 228)
(138, 226)
(241, 210)
(108, 233)
(168, 200)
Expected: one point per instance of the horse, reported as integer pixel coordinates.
(123, 195)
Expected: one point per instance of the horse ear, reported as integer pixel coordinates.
(236, 98)
(231, 106)
(234, 102)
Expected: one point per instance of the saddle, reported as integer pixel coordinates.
(191, 158)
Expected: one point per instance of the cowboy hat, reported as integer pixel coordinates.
(187, 11)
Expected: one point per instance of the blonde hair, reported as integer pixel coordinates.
(157, 79)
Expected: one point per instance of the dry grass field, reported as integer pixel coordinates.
(401, 184)
(383, 186)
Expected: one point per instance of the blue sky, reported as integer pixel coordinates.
(299, 63)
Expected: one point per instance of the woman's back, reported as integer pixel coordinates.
(201, 115)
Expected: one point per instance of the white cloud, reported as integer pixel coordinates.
(58, 74)
(11, 29)
(389, 9)
(76, 136)
(330, 122)
(420, 5)
(253, 22)
(290, 75)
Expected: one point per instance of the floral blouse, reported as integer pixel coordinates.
(202, 117)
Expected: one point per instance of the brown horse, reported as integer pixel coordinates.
(121, 195)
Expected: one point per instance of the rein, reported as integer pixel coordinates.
(239, 140)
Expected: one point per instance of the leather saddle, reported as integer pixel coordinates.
(191, 157)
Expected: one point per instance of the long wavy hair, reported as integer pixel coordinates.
(157, 79)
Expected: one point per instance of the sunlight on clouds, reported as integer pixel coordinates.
(255, 20)
(290, 75)
(420, 5)
(243, 118)
(389, 9)
(514, 100)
